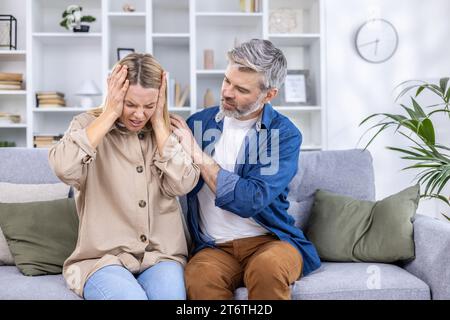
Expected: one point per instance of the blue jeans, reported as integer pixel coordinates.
(163, 281)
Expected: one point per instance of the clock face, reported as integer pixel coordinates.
(376, 40)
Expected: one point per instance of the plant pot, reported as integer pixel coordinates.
(82, 28)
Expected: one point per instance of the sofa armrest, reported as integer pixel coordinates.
(432, 261)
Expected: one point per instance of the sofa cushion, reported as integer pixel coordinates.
(347, 172)
(356, 281)
(346, 229)
(19, 287)
(14, 193)
(41, 235)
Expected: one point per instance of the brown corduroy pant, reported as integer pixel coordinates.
(265, 265)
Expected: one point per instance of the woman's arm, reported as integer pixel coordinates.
(117, 88)
(159, 126)
(70, 157)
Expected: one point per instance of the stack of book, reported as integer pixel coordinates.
(10, 81)
(45, 141)
(50, 99)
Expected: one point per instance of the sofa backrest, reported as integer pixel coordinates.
(25, 166)
(346, 172)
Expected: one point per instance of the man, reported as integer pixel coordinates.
(237, 213)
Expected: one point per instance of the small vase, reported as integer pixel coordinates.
(208, 99)
(208, 59)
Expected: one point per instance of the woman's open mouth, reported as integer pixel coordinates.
(136, 123)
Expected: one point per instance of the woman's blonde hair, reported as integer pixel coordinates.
(143, 69)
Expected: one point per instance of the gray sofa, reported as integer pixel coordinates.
(347, 172)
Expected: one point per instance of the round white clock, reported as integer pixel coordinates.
(376, 40)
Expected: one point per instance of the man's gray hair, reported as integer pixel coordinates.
(263, 57)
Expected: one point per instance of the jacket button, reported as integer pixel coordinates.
(143, 238)
(140, 135)
(142, 203)
(139, 169)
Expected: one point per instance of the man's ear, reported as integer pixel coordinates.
(271, 94)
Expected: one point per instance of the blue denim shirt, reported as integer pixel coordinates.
(258, 187)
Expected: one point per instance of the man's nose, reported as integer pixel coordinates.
(228, 93)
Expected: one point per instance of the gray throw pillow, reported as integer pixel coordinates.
(345, 229)
(41, 235)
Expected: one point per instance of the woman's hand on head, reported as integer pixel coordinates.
(157, 118)
(117, 89)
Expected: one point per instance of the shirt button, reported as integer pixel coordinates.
(142, 203)
(140, 135)
(143, 238)
(139, 169)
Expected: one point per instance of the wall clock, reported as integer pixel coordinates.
(376, 40)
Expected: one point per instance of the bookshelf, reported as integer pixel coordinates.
(176, 32)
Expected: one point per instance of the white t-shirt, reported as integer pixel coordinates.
(223, 225)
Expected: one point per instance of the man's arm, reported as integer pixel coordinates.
(209, 169)
(246, 196)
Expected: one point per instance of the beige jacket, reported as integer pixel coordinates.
(125, 194)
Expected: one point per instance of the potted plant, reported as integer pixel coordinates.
(72, 19)
(430, 158)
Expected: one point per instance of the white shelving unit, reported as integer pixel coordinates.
(176, 32)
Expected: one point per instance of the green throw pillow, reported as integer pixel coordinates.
(41, 235)
(346, 229)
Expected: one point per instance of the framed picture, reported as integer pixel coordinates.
(295, 90)
(123, 52)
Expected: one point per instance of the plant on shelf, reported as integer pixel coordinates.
(429, 157)
(72, 19)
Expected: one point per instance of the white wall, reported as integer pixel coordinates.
(356, 89)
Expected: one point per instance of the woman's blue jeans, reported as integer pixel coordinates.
(163, 281)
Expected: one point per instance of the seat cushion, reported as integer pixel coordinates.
(16, 286)
(356, 281)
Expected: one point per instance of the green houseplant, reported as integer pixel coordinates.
(72, 19)
(430, 158)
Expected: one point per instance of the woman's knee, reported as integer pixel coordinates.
(164, 281)
(113, 283)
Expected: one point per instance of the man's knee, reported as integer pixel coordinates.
(198, 274)
(274, 265)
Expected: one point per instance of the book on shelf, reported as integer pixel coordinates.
(182, 97)
(7, 76)
(170, 90)
(51, 94)
(250, 6)
(10, 86)
(9, 118)
(176, 97)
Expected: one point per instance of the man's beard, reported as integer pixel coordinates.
(244, 111)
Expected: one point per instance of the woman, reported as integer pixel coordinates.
(127, 169)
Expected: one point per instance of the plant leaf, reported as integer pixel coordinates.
(443, 84)
(426, 130)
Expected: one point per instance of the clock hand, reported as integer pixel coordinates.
(376, 46)
(367, 43)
